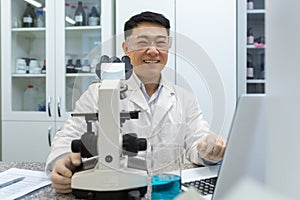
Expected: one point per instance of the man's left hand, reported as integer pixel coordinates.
(212, 147)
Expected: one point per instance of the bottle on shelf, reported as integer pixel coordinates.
(86, 68)
(78, 67)
(80, 16)
(68, 14)
(94, 17)
(43, 71)
(30, 99)
(85, 8)
(250, 36)
(262, 66)
(28, 17)
(250, 67)
(70, 67)
(40, 21)
(67, 9)
(72, 11)
(250, 5)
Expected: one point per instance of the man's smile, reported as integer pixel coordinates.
(151, 61)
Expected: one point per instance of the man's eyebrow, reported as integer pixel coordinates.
(147, 36)
(142, 36)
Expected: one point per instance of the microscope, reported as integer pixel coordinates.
(105, 174)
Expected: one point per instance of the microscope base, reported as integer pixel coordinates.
(107, 195)
(110, 184)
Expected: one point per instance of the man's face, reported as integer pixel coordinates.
(147, 48)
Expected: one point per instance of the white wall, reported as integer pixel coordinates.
(211, 26)
(0, 93)
(282, 89)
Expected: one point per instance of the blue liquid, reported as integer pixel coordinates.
(165, 187)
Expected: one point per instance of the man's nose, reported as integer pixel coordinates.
(152, 50)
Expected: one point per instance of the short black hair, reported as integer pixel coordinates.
(146, 16)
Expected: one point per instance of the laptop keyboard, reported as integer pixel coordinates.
(204, 186)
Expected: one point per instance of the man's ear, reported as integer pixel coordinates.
(125, 48)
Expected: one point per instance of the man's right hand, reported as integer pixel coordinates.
(63, 171)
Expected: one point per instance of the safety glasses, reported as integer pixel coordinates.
(143, 42)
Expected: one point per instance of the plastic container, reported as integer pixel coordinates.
(30, 99)
(40, 21)
(34, 67)
(21, 66)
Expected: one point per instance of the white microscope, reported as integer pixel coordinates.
(105, 174)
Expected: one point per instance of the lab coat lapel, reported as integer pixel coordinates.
(136, 96)
(165, 102)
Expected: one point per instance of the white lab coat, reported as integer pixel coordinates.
(176, 118)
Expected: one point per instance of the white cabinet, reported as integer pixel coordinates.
(27, 141)
(251, 42)
(56, 43)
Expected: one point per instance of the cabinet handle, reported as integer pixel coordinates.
(58, 106)
(49, 135)
(49, 106)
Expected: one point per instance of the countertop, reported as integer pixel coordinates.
(47, 192)
(43, 193)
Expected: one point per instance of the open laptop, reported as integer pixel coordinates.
(244, 154)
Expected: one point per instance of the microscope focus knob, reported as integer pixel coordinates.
(132, 144)
(76, 146)
(142, 144)
(86, 146)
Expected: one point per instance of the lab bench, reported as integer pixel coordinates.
(47, 192)
(44, 193)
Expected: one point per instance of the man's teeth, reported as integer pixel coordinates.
(151, 61)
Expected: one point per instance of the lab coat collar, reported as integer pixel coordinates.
(136, 96)
(165, 101)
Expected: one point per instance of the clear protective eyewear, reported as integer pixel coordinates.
(143, 42)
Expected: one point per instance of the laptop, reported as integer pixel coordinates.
(244, 154)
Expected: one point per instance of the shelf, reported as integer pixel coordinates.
(82, 28)
(252, 46)
(81, 75)
(256, 11)
(28, 75)
(30, 33)
(29, 29)
(67, 75)
(256, 81)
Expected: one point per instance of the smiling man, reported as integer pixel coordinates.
(170, 114)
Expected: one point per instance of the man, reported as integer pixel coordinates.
(169, 114)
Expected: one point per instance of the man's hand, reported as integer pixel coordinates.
(212, 147)
(63, 171)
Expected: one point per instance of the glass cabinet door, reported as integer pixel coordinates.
(26, 42)
(46, 62)
(81, 33)
(255, 47)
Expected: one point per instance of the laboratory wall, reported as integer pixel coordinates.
(283, 108)
(203, 55)
(0, 95)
